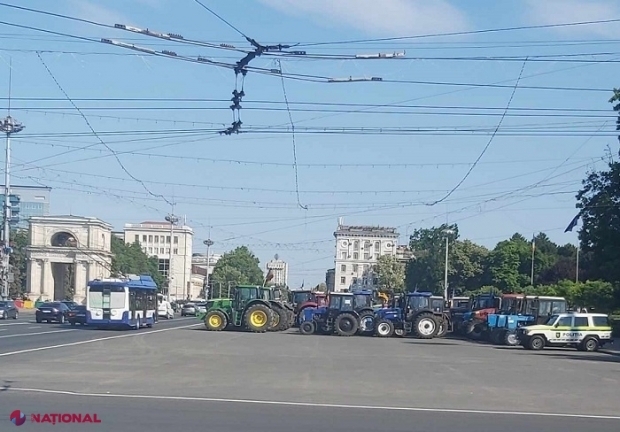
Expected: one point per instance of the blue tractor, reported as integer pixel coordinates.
(345, 314)
(517, 311)
(418, 313)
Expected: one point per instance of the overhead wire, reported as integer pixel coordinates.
(484, 150)
(120, 163)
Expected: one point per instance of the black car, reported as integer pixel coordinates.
(52, 311)
(69, 304)
(8, 310)
(77, 315)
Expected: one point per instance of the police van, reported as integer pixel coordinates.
(584, 331)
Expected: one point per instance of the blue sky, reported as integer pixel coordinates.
(243, 186)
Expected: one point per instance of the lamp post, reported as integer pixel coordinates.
(173, 220)
(208, 243)
(447, 232)
(9, 126)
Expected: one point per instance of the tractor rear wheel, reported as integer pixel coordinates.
(425, 326)
(284, 319)
(366, 323)
(307, 328)
(443, 328)
(510, 338)
(258, 318)
(346, 324)
(215, 321)
(385, 328)
(475, 331)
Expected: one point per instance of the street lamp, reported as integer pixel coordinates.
(208, 243)
(9, 126)
(173, 220)
(447, 232)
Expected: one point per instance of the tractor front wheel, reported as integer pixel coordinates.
(510, 338)
(443, 329)
(367, 323)
(307, 328)
(385, 328)
(258, 318)
(215, 321)
(346, 324)
(425, 326)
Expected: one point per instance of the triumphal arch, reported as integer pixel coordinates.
(66, 252)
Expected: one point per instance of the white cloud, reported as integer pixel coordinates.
(86, 9)
(380, 17)
(543, 12)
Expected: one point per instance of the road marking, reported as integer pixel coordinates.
(90, 340)
(34, 327)
(35, 334)
(2, 329)
(17, 323)
(318, 405)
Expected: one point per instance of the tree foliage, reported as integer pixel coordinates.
(19, 263)
(390, 274)
(237, 267)
(129, 258)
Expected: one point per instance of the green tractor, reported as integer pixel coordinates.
(246, 308)
(283, 314)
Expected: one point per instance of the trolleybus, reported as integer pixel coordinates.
(129, 302)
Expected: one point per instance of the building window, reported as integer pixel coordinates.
(343, 268)
(376, 256)
(176, 251)
(163, 267)
(356, 255)
(176, 240)
(156, 239)
(168, 250)
(343, 280)
(356, 244)
(144, 238)
(343, 255)
(355, 268)
(377, 245)
(366, 256)
(144, 249)
(137, 240)
(354, 281)
(150, 250)
(367, 244)
(168, 239)
(150, 239)
(161, 251)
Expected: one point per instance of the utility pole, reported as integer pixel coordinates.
(533, 251)
(208, 243)
(9, 126)
(173, 220)
(445, 279)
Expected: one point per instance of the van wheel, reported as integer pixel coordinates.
(589, 344)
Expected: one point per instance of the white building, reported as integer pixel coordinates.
(199, 270)
(280, 271)
(357, 250)
(156, 240)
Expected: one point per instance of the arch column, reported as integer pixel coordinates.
(47, 280)
(80, 281)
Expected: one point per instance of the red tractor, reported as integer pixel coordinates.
(303, 299)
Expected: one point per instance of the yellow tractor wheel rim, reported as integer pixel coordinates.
(215, 321)
(276, 320)
(258, 318)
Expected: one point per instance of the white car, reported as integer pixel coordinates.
(164, 309)
(584, 331)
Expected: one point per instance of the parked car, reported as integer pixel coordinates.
(77, 315)
(201, 308)
(189, 309)
(8, 310)
(52, 311)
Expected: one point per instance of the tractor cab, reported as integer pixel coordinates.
(419, 313)
(283, 312)
(541, 308)
(300, 296)
(339, 316)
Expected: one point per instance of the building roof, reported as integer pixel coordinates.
(362, 230)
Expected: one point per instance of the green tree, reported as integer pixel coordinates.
(237, 267)
(504, 266)
(19, 242)
(426, 271)
(467, 266)
(129, 258)
(391, 273)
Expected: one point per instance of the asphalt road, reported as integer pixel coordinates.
(153, 415)
(233, 380)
